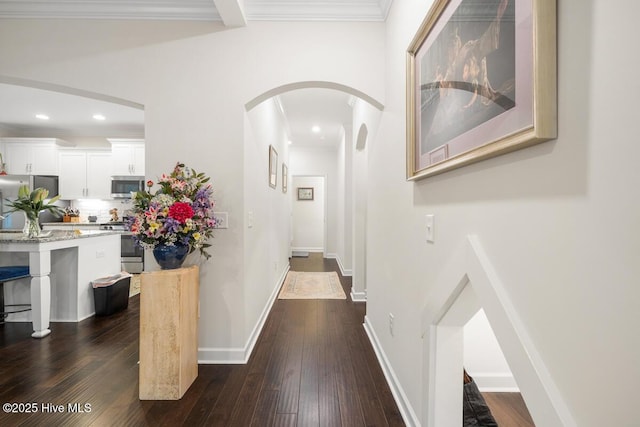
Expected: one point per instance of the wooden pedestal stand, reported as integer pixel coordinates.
(168, 332)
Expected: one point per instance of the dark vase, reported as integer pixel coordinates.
(170, 257)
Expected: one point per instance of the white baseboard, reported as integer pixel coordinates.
(240, 355)
(497, 383)
(358, 296)
(306, 249)
(343, 271)
(406, 410)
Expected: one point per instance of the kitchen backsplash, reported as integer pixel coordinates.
(101, 208)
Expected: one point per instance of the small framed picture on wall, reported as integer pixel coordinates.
(285, 178)
(273, 167)
(305, 193)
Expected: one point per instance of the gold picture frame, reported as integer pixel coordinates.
(484, 85)
(273, 167)
(285, 178)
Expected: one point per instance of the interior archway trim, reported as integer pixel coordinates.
(312, 84)
(68, 90)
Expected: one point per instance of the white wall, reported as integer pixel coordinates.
(194, 80)
(483, 357)
(266, 236)
(365, 125)
(558, 221)
(308, 215)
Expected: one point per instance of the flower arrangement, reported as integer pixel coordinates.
(180, 212)
(32, 203)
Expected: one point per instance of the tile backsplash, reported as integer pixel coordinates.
(101, 208)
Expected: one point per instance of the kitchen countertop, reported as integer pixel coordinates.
(72, 224)
(16, 236)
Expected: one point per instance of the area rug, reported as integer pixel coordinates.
(134, 287)
(306, 285)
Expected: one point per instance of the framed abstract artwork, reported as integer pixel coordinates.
(273, 167)
(481, 81)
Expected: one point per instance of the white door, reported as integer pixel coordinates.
(308, 207)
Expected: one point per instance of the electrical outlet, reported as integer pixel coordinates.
(391, 318)
(222, 219)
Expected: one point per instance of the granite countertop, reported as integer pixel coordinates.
(71, 224)
(16, 236)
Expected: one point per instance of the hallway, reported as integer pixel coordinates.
(312, 365)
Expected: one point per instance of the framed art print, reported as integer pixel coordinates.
(285, 178)
(273, 167)
(305, 193)
(481, 81)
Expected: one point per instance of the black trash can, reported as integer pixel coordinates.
(111, 294)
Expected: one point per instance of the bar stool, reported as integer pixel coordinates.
(7, 274)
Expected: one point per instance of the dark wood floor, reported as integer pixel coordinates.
(312, 365)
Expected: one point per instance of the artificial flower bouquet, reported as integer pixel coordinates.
(180, 212)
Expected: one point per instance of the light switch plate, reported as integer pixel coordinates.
(222, 219)
(430, 224)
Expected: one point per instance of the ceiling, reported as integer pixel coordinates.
(327, 109)
(72, 115)
(69, 115)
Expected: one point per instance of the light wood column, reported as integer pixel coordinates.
(168, 332)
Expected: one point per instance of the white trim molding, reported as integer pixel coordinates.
(406, 410)
(344, 271)
(358, 296)
(467, 283)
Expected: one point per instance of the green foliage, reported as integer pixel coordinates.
(34, 202)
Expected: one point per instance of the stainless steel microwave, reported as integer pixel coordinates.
(123, 186)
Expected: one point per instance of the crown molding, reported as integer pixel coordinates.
(191, 10)
(196, 10)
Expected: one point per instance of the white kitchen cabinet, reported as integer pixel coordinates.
(127, 157)
(32, 156)
(85, 175)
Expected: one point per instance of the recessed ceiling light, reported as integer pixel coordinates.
(290, 142)
(315, 129)
(42, 117)
(99, 117)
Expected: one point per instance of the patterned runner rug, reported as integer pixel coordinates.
(306, 285)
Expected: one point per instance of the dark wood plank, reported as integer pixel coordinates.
(328, 403)
(290, 386)
(308, 402)
(265, 412)
(285, 420)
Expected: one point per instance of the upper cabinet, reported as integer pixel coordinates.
(127, 157)
(85, 174)
(32, 156)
